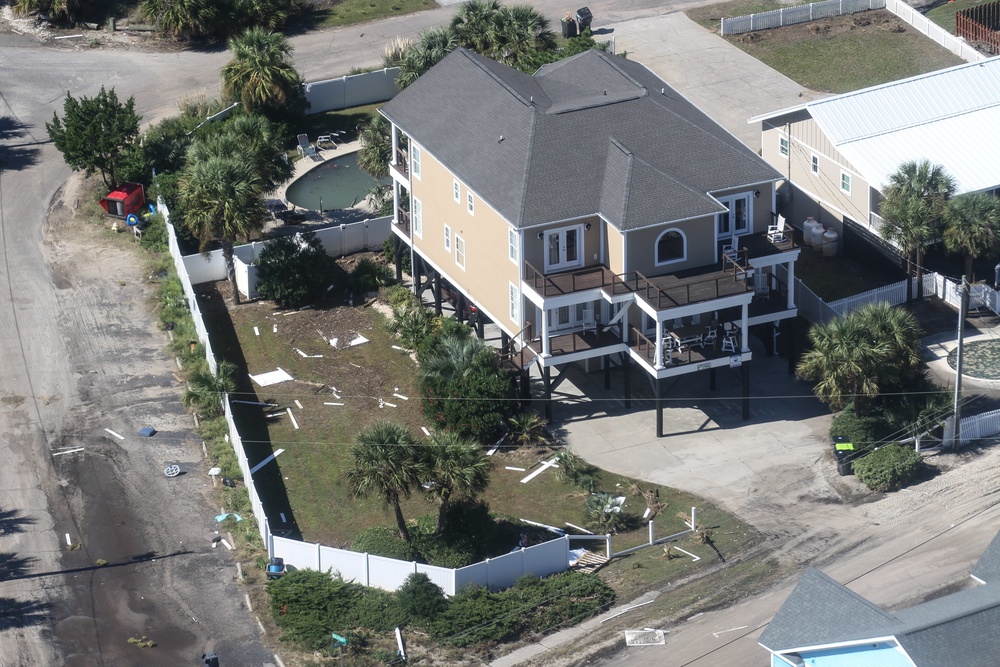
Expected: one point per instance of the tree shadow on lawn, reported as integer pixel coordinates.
(250, 419)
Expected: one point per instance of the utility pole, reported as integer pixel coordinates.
(962, 308)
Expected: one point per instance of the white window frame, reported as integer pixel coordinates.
(845, 178)
(514, 296)
(814, 164)
(457, 191)
(417, 218)
(729, 201)
(460, 252)
(563, 264)
(415, 160)
(784, 146)
(447, 238)
(656, 247)
(470, 203)
(512, 249)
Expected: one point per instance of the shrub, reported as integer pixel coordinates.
(389, 252)
(865, 431)
(441, 328)
(307, 604)
(413, 324)
(487, 401)
(888, 468)
(574, 470)
(605, 515)
(154, 235)
(294, 271)
(420, 598)
(368, 276)
(476, 615)
(377, 610)
(398, 296)
(384, 541)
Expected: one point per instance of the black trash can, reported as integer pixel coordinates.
(569, 27)
(843, 451)
(583, 18)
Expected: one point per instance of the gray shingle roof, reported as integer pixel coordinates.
(956, 629)
(822, 611)
(560, 131)
(988, 567)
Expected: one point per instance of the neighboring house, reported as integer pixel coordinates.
(585, 210)
(837, 153)
(824, 624)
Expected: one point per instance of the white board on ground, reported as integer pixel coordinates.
(274, 377)
(360, 340)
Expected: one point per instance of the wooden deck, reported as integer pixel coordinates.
(692, 354)
(567, 343)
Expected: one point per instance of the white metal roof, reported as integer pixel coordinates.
(950, 117)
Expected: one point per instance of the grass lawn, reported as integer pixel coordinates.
(318, 452)
(350, 12)
(944, 14)
(838, 54)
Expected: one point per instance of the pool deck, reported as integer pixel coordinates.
(313, 218)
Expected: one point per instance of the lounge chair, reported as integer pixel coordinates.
(305, 148)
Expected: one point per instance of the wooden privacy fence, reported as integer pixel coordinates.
(980, 25)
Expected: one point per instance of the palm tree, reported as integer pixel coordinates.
(182, 18)
(527, 429)
(222, 200)
(376, 146)
(459, 471)
(899, 330)
(474, 23)
(387, 464)
(912, 210)
(455, 356)
(432, 47)
(261, 74)
(205, 390)
(520, 31)
(255, 139)
(972, 227)
(844, 362)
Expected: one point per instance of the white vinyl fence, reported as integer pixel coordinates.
(351, 91)
(777, 18)
(337, 241)
(979, 427)
(933, 31)
(495, 573)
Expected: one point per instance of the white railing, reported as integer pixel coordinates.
(777, 18)
(895, 294)
(933, 31)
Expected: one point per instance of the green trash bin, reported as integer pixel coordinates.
(843, 451)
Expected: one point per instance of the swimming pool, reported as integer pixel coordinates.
(337, 183)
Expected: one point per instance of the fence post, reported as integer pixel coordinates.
(607, 543)
(318, 558)
(268, 539)
(651, 540)
(694, 518)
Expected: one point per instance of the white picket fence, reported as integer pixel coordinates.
(933, 31)
(777, 18)
(979, 427)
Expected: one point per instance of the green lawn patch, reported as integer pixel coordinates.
(944, 14)
(318, 452)
(833, 278)
(351, 12)
(838, 54)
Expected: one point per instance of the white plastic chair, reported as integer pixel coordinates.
(729, 343)
(776, 232)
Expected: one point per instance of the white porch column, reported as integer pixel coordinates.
(744, 342)
(545, 334)
(658, 360)
(791, 285)
(395, 144)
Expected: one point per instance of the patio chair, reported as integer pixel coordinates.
(776, 232)
(305, 149)
(324, 139)
(711, 338)
(729, 343)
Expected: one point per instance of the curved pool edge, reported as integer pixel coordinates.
(304, 165)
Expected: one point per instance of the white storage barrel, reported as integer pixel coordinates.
(830, 237)
(816, 237)
(807, 230)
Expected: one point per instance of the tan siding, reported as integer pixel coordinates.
(488, 270)
(760, 206)
(699, 237)
(614, 249)
(534, 247)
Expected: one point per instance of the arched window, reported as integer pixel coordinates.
(671, 246)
